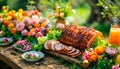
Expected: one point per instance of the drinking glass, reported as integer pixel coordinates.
(114, 35)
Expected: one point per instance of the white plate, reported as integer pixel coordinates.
(19, 49)
(39, 54)
(10, 40)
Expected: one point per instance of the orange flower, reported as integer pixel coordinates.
(92, 56)
(4, 7)
(99, 49)
(10, 25)
(35, 11)
(36, 25)
(43, 24)
(56, 14)
(13, 30)
(29, 34)
(32, 30)
(6, 22)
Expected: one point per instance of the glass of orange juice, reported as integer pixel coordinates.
(114, 35)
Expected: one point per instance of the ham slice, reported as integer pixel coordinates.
(46, 45)
(56, 46)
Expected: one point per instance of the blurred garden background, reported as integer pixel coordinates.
(85, 12)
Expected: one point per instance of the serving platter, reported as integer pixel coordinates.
(37, 54)
(9, 41)
(21, 50)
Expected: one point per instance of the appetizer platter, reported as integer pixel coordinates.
(22, 45)
(32, 56)
(4, 41)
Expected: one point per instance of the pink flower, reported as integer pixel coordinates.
(86, 54)
(42, 29)
(1, 20)
(15, 22)
(35, 18)
(1, 32)
(84, 57)
(24, 32)
(20, 26)
(32, 33)
(31, 55)
(27, 21)
(36, 30)
(39, 13)
(39, 34)
(30, 27)
(115, 66)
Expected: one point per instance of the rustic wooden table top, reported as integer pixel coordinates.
(13, 58)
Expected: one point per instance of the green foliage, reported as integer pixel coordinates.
(102, 63)
(17, 36)
(32, 40)
(6, 31)
(16, 4)
(37, 47)
(110, 9)
(98, 42)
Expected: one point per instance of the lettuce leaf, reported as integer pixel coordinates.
(54, 34)
(98, 41)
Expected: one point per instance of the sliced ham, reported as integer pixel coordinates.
(61, 48)
(71, 51)
(52, 43)
(46, 45)
(76, 55)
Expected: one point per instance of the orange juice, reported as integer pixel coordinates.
(114, 36)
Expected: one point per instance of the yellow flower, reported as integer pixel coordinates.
(13, 11)
(5, 11)
(117, 59)
(9, 17)
(20, 10)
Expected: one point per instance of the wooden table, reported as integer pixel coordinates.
(13, 59)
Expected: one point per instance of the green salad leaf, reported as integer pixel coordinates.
(42, 40)
(37, 47)
(54, 34)
(98, 41)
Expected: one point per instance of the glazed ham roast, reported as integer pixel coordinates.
(78, 36)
